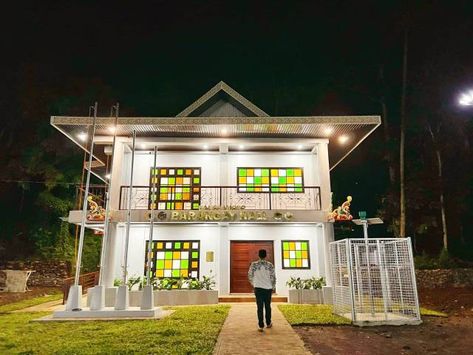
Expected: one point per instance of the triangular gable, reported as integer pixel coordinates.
(222, 100)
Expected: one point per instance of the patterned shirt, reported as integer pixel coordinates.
(261, 274)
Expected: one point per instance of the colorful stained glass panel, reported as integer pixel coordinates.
(174, 259)
(175, 189)
(270, 179)
(295, 254)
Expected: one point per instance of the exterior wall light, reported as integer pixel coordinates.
(328, 131)
(343, 139)
(82, 136)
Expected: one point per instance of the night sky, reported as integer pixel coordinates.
(294, 58)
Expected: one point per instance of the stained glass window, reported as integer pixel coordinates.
(174, 258)
(270, 179)
(176, 188)
(295, 254)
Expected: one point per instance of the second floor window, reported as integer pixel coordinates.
(270, 179)
(175, 188)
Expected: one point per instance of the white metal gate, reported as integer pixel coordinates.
(374, 281)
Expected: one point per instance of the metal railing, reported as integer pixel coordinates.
(87, 281)
(221, 196)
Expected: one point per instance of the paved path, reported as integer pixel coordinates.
(239, 334)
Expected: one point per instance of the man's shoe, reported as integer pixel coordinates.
(260, 330)
(270, 325)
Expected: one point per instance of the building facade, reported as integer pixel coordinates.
(228, 180)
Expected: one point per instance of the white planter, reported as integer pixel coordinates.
(135, 298)
(306, 296)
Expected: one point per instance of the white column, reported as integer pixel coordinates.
(112, 253)
(328, 236)
(324, 176)
(224, 261)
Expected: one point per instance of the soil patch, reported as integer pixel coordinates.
(452, 335)
(10, 297)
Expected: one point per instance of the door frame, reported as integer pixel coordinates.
(230, 259)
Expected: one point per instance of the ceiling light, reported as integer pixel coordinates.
(224, 131)
(143, 146)
(343, 139)
(241, 146)
(328, 131)
(300, 146)
(82, 136)
(107, 176)
(206, 146)
(112, 129)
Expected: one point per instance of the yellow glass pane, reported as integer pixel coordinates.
(159, 273)
(297, 172)
(304, 254)
(286, 254)
(292, 246)
(160, 245)
(265, 179)
(168, 264)
(242, 179)
(274, 172)
(195, 264)
(184, 273)
(290, 179)
(249, 172)
(163, 197)
(176, 255)
(186, 245)
(163, 171)
(188, 172)
(298, 262)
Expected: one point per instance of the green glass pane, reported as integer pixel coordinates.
(282, 180)
(298, 254)
(178, 196)
(265, 172)
(184, 264)
(171, 181)
(180, 171)
(175, 273)
(241, 172)
(292, 263)
(304, 245)
(250, 189)
(196, 180)
(163, 189)
(195, 255)
(177, 245)
(298, 189)
(274, 189)
(186, 189)
(285, 246)
(160, 264)
(290, 172)
(258, 180)
(168, 255)
(195, 206)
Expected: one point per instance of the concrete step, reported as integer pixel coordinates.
(247, 297)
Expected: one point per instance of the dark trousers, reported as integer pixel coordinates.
(263, 298)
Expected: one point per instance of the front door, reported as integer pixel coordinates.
(241, 256)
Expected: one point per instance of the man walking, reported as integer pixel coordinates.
(262, 278)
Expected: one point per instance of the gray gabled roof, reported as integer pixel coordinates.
(222, 88)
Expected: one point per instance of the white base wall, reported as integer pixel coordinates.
(217, 238)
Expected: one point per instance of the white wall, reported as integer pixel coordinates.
(207, 234)
(277, 233)
(210, 164)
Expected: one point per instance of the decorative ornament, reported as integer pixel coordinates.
(96, 212)
(341, 213)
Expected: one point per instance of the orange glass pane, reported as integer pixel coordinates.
(176, 255)
(179, 205)
(159, 273)
(168, 264)
(195, 264)
(298, 262)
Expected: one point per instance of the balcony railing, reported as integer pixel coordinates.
(221, 196)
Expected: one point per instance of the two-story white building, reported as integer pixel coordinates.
(229, 180)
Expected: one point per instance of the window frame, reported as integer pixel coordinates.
(270, 185)
(308, 255)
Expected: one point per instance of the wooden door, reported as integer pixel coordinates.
(242, 254)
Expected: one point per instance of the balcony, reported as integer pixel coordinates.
(228, 196)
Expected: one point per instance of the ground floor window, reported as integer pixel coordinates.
(174, 258)
(295, 254)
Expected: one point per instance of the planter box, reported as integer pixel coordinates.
(306, 296)
(167, 298)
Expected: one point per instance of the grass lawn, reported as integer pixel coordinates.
(188, 330)
(321, 314)
(29, 302)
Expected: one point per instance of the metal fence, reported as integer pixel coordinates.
(374, 281)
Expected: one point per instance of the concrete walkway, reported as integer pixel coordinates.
(239, 334)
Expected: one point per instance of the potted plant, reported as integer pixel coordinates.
(305, 291)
